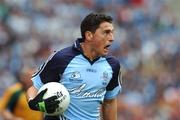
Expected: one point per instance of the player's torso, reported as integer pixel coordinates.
(86, 83)
(85, 76)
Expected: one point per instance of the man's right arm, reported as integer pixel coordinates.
(31, 92)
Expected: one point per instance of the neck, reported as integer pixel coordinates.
(88, 51)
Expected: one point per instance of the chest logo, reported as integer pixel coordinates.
(76, 76)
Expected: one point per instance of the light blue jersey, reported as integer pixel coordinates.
(88, 82)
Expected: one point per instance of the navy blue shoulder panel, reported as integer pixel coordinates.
(55, 67)
(114, 63)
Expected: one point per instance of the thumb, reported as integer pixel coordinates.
(41, 94)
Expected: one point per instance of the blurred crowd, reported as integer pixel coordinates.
(147, 43)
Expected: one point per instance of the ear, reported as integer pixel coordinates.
(88, 35)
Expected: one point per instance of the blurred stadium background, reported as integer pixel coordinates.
(147, 43)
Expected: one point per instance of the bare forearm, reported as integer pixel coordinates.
(31, 92)
(109, 109)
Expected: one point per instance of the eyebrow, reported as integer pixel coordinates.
(104, 29)
(108, 30)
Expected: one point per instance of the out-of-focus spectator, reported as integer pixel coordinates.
(13, 104)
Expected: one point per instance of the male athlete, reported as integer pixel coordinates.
(86, 70)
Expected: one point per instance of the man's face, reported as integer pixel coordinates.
(103, 38)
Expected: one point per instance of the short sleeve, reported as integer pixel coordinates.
(114, 86)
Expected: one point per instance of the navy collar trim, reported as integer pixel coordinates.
(77, 46)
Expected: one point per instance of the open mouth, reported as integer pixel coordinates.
(107, 47)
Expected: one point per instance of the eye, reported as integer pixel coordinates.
(108, 32)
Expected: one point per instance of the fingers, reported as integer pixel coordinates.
(52, 98)
(52, 103)
(41, 94)
(52, 107)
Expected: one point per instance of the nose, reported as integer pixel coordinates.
(111, 37)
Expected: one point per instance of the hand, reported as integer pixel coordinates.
(48, 105)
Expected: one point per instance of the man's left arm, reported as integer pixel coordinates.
(109, 109)
(109, 105)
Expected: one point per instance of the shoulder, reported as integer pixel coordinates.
(68, 52)
(60, 58)
(113, 61)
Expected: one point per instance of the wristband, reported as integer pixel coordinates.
(42, 106)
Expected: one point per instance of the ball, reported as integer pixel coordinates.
(57, 89)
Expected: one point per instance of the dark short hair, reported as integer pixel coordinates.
(92, 21)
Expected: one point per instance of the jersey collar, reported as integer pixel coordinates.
(77, 46)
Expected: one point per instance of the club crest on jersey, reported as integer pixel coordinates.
(105, 77)
(76, 76)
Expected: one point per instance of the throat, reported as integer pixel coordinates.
(91, 60)
(89, 53)
(90, 57)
